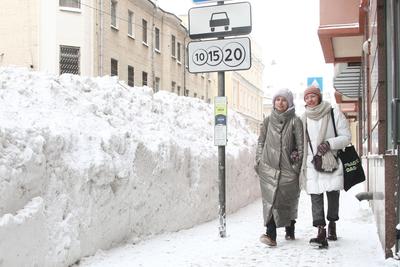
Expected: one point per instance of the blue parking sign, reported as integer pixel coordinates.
(316, 81)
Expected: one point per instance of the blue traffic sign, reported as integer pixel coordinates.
(316, 81)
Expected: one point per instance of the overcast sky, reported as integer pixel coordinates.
(286, 30)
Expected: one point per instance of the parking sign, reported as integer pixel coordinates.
(220, 20)
(219, 55)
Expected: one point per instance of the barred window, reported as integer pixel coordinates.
(178, 90)
(70, 3)
(131, 73)
(69, 59)
(144, 78)
(144, 28)
(114, 67)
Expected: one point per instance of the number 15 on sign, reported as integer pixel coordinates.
(219, 55)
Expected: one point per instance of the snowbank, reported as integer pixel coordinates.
(87, 163)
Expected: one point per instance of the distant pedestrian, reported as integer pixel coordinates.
(320, 140)
(278, 161)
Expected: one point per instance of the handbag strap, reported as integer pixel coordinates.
(308, 139)
(333, 122)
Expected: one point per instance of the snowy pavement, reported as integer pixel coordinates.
(357, 243)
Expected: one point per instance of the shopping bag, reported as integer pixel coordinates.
(353, 172)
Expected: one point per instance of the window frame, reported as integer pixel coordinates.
(145, 81)
(113, 14)
(131, 24)
(78, 49)
(157, 39)
(178, 52)
(173, 85)
(173, 46)
(68, 7)
(131, 78)
(113, 60)
(144, 32)
(157, 83)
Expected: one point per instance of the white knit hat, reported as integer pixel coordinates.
(286, 93)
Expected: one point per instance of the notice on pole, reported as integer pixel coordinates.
(220, 125)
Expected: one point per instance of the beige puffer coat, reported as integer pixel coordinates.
(279, 176)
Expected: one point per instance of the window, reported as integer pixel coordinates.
(70, 3)
(178, 90)
(173, 87)
(114, 67)
(173, 52)
(157, 85)
(186, 92)
(69, 59)
(144, 78)
(157, 39)
(114, 13)
(179, 52)
(131, 24)
(131, 75)
(144, 28)
(194, 94)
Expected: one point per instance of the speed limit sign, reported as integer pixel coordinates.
(219, 55)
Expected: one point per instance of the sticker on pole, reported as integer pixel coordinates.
(220, 112)
(219, 55)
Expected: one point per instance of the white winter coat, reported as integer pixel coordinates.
(314, 182)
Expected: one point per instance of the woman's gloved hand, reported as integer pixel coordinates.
(295, 156)
(323, 148)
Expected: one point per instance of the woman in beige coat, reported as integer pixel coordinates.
(278, 162)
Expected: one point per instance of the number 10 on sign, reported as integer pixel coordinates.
(219, 55)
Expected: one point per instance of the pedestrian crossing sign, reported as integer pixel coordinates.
(316, 81)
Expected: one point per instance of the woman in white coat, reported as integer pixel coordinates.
(320, 139)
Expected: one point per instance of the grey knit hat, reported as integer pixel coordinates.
(286, 93)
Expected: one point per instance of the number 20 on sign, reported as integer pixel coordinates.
(219, 55)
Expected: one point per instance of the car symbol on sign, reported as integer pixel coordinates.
(219, 19)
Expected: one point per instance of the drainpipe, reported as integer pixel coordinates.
(153, 50)
(101, 40)
(184, 62)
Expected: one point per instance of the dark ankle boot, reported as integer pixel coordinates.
(290, 231)
(320, 240)
(332, 231)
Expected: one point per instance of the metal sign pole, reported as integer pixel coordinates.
(221, 167)
(221, 161)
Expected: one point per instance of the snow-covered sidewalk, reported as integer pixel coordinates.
(357, 245)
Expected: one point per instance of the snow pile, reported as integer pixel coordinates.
(87, 163)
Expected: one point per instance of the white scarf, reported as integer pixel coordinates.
(321, 111)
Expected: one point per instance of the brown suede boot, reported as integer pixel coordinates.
(332, 231)
(320, 240)
(267, 240)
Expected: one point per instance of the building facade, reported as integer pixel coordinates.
(362, 39)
